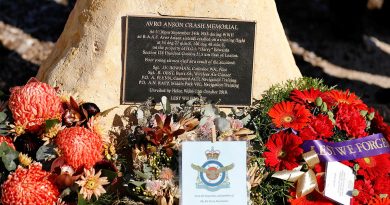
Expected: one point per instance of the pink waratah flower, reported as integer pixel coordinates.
(80, 147)
(30, 186)
(166, 174)
(235, 124)
(154, 187)
(31, 105)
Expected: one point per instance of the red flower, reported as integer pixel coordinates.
(31, 105)
(378, 125)
(314, 198)
(377, 200)
(289, 115)
(284, 151)
(348, 118)
(80, 146)
(365, 192)
(30, 187)
(7, 140)
(305, 97)
(340, 97)
(382, 185)
(375, 166)
(320, 127)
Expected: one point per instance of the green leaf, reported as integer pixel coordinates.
(222, 124)
(141, 174)
(109, 174)
(46, 152)
(3, 116)
(1, 93)
(8, 161)
(51, 123)
(105, 112)
(5, 149)
(246, 119)
(65, 193)
(81, 200)
(210, 111)
(137, 183)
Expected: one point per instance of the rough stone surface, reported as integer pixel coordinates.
(87, 56)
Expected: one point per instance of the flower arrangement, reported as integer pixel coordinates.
(55, 142)
(298, 112)
(51, 149)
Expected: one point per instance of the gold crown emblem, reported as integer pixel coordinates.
(212, 154)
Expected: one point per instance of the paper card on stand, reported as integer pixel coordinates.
(339, 182)
(214, 173)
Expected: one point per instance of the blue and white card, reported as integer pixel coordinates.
(214, 173)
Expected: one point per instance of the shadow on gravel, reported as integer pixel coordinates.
(42, 19)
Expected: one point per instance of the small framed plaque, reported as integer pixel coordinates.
(184, 57)
(212, 174)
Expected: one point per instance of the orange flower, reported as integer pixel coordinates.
(80, 146)
(289, 115)
(31, 105)
(30, 187)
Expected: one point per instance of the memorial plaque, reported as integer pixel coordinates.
(182, 57)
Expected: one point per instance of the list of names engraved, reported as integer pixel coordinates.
(180, 58)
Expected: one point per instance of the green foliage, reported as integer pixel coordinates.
(276, 94)
(272, 190)
(46, 152)
(51, 123)
(111, 175)
(8, 155)
(3, 123)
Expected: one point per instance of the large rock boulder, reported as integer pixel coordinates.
(87, 56)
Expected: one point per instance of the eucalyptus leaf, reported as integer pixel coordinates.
(8, 161)
(141, 174)
(46, 152)
(222, 124)
(65, 193)
(3, 116)
(105, 112)
(137, 183)
(5, 149)
(246, 119)
(210, 111)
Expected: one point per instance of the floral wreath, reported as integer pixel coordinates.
(54, 150)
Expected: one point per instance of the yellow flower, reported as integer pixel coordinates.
(24, 159)
(92, 184)
(18, 129)
(52, 132)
